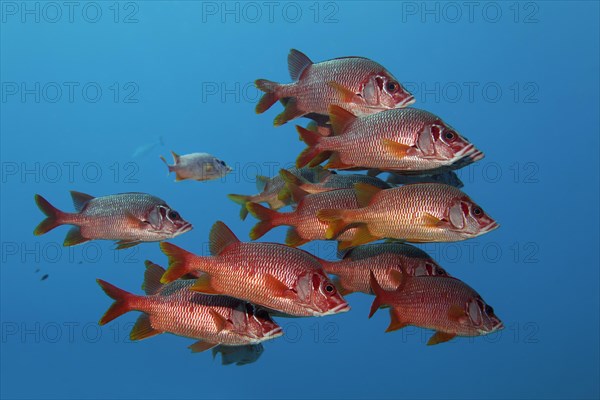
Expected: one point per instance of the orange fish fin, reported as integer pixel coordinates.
(293, 238)
(440, 337)
(346, 95)
(335, 162)
(344, 246)
(335, 221)
(267, 219)
(395, 321)
(125, 244)
(362, 235)
(298, 62)
(293, 186)
(220, 238)
(154, 272)
(204, 285)
(456, 312)
(365, 193)
(339, 285)
(74, 237)
(340, 118)
(241, 200)
(380, 294)
(143, 328)
(200, 346)
(269, 98)
(52, 213)
(396, 277)
(312, 140)
(319, 159)
(279, 288)
(181, 262)
(289, 113)
(398, 150)
(121, 304)
(80, 199)
(220, 321)
(431, 221)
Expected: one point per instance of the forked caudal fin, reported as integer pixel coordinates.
(181, 262)
(269, 98)
(268, 220)
(242, 200)
(310, 155)
(53, 216)
(122, 302)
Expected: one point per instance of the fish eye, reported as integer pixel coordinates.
(489, 310)
(221, 162)
(478, 212)
(173, 215)
(440, 271)
(450, 135)
(329, 288)
(392, 86)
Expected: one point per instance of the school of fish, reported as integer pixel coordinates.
(227, 301)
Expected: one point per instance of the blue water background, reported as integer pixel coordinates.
(171, 64)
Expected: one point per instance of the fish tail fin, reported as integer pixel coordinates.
(311, 153)
(242, 200)
(269, 98)
(181, 262)
(336, 221)
(268, 219)
(53, 216)
(121, 305)
(167, 164)
(380, 294)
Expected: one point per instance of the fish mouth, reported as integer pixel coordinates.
(470, 152)
(490, 227)
(185, 228)
(407, 102)
(344, 307)
(273, 333)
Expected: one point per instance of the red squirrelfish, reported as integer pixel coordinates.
(270, 188)
(408, 140)
(129, 218)
(446, 305)
(358, 84)
(387, 261)
(275, 276)
(173, 308)
(305, 226)
(421, 212)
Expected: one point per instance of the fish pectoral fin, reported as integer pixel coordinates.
(396, 277)
(74, 237)
(395, 321)
(346, 95)
(204, 285)
(201, 346)
(279, 288)
(220, 321)
(143, 328)
(125, 244)
(431, 221)
(396, 149)
(440, 337)
(456, 313)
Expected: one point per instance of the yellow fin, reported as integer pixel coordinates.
(340, 117)
(346, 95)
(362, 235)
(143, 329)
(397, 149)
(365, 193)
(431, 221)
(440, 337)
(204, 285)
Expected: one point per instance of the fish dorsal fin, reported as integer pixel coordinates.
(365, 193)
(261, 182)
(175, 157)
(201, 346)
(340, 119)
(80, 199)
(220, 238)
(154, 272)
(143, 328)
(298, 62)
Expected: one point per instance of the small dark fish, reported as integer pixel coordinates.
(37, 270)
(44, 277)
(448, 177)
(239, 355)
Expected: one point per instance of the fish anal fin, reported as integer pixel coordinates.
(74, 237)
(290, 112)
(143, 328)
(335, 162)
(362, 235)
(293, 238)
(396, 321)
(204, 285)
(440, 337)
(365, 193)
(125, 244)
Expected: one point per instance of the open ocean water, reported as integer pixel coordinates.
(89, 90)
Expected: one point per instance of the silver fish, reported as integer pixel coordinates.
(197, 166)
